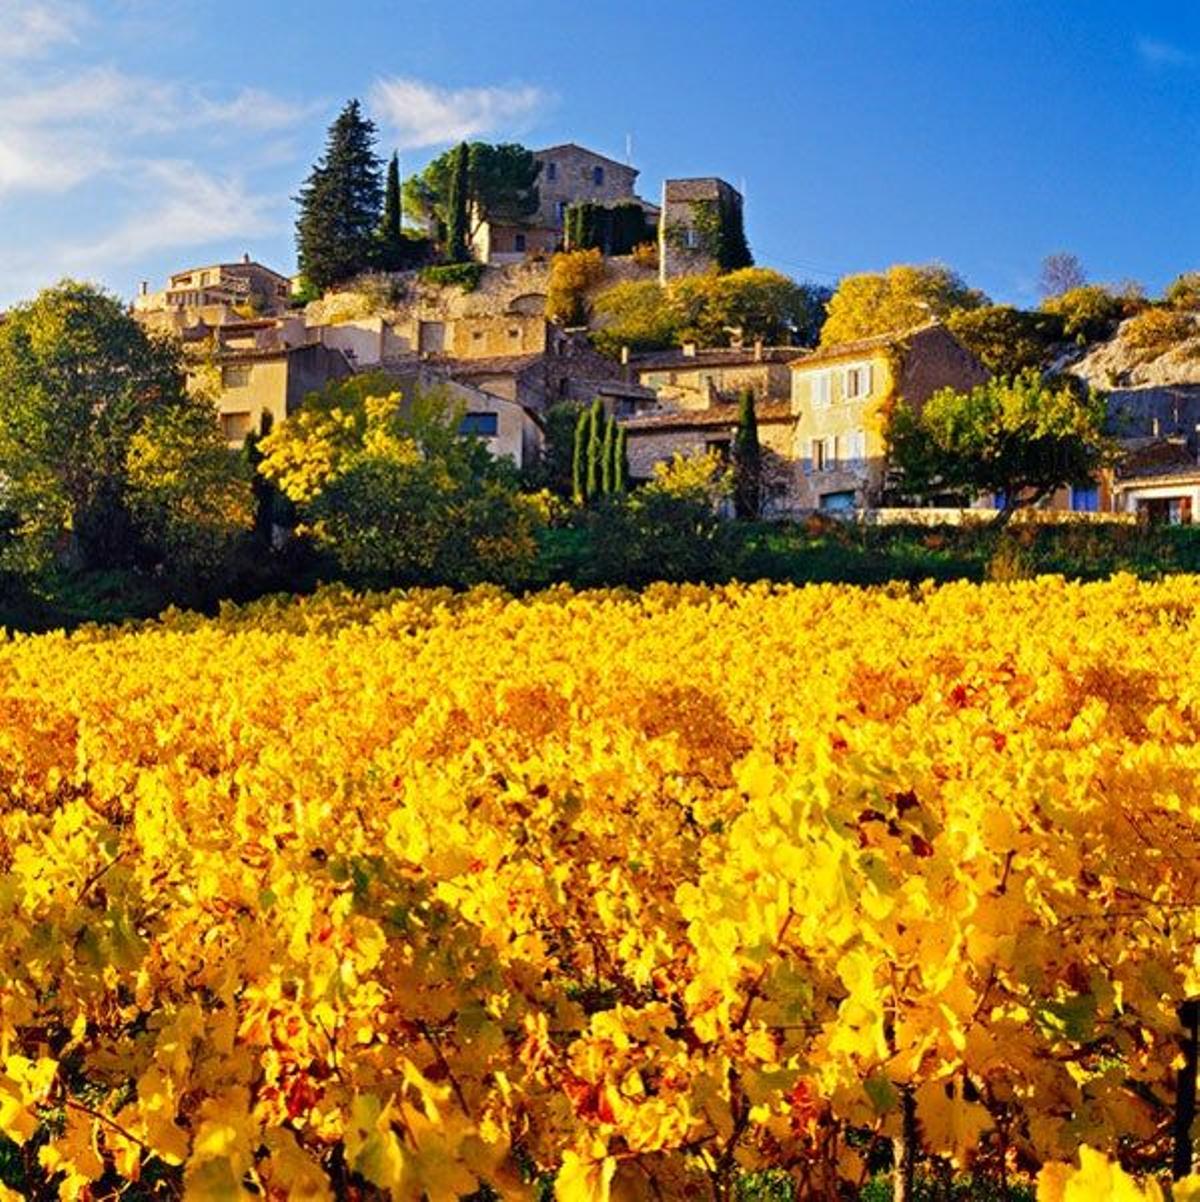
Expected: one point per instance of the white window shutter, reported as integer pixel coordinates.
(866, 380)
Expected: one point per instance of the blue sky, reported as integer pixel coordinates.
(140, 136)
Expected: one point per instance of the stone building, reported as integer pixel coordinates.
(698, 378)
(569, 174)
(842, 397)
(687, 224)
(214, 294)
(824, 439)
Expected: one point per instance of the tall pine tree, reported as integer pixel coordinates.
(621, 461)
(339, 203)
(457, 226)
(583, 428)
(595, 448)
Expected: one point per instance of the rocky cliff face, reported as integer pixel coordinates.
(1125, 361)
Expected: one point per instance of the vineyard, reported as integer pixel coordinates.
(679, 894)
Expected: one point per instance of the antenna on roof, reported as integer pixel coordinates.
(629, 150)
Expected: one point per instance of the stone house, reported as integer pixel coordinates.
(692, 378)
(569, 174)
(690, 207)
(825, 442)
(216, 293)
(256, 387)
(842, 397)
(655, 437)
(1158, 479)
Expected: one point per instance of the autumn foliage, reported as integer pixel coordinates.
(395, 895)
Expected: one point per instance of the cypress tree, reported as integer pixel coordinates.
(583, 428)
(390, 235)
(595, 447)
(621, 462)
(457, 250)
(747, 460)
(339, 203)
(608, 455)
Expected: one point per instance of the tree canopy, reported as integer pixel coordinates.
(900, 298)
(1092, 311)
(1061, 272)
(88, 400)
(501, 186)
(340, 202)
(1019, 440)
(386, 485)
(709, 309)
(1008, 340)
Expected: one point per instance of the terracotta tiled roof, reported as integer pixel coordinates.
(1161, 458)
(717, 415)
(861, 346)
(714, 356)
(488, 366)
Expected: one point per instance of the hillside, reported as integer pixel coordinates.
(1157, 347)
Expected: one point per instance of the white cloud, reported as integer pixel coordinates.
(185, 206)
(422, 114)
(29, 28)
(1159, 53)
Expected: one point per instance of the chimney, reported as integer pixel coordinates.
(144, 288)
(688, 350)
(245, 256)
(758, 350)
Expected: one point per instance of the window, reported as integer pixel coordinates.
(561, 208)
(831, 452)
(858, 447)
(836, 501)
(821, 388)
(816, 455)
(476, 335)
(519, 242)
(597, 176)
(235, 376)
(552, 171)
(718, 446)
(1085, 500)
(235, 426)
(857, 381)
(691, 238)
(514, 333)
(481, 425)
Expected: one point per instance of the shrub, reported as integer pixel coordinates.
(1156, 331)
(1184, 291)
(572, 275)
(645, 254)
(448, 275)
(1091, 312)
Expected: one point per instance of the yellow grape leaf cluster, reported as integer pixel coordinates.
(400, 894)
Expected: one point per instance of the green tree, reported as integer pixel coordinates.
(394, 494)
(80, 381)
(747, 460)
(501, 186)
(595, 446)
(458, 208)
(339, 203)
(1007, 340)
(900, 298)
(621, 461)
(608, 451)
(392, 249)
(1091, 312)
(1019, 440)
(708, 309)
(579, 460)
(189, 494)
